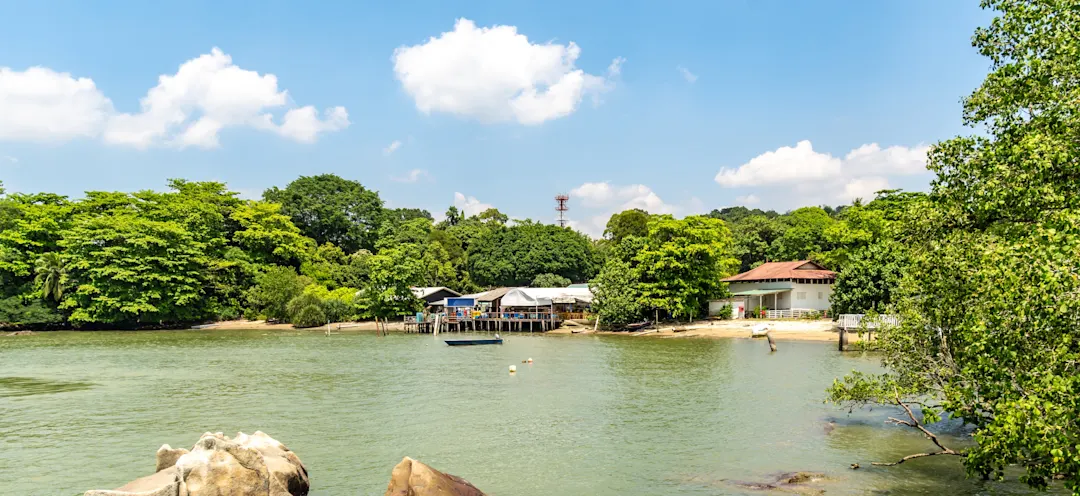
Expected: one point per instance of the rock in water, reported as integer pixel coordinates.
(412, 478)
(219, 466)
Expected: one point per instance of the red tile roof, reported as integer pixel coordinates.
(802, 269)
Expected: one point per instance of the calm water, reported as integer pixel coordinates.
(591, 416)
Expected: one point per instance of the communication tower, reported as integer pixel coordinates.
(560, 206)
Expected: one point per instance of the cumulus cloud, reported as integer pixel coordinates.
(496, 74)
(469, 205)
(750, 199)
(189, 108)
(863, 188)
(392, 147)
(686, 74)
(40, 104)
(801, 163)
(608, 199)
(415, 175)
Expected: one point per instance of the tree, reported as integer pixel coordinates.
(633, 222)
(513, 256)
(388, 292)
(396, 215)
(127, 269)
(50, 276)
(682, 263)
(870, 280)
(330, 209)
(989, 331)
(804, 235)
(549, 281)
(273, 291)
(616, 294)
(269, 236)
(753, 237)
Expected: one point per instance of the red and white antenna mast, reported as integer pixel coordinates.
(560, 206)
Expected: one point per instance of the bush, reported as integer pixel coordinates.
(310, 316)
(725, 312)
(549, 281)
(811, 315)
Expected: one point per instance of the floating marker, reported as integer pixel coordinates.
(513, 368)
(529, 360)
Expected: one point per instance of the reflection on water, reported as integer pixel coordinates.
(27, 386)
(593, 415)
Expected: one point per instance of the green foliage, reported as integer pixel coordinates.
(989, 304)
(633, 222)
(616, 294)
(682, 263)
(754, 236)
(870, 280)
(549, 281)
(127, 269)
(274, 289)
(268, 236)
(306, 310)
(13, 310)
(387, 293)
(330, 209)
(513, 256)
(50, 276)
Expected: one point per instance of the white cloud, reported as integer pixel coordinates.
(189, 108)
(750, 199)
(863, 188)
(801, 163)
(9, 159)
(783, 165)
(686, 74)
(469, 205)
(392, 147)
(799, 175)
(872, 159)
(40, 104)
(609, 199)
(209, 93)
(496, 74)
(413, 176)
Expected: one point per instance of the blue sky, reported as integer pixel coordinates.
(678, 107)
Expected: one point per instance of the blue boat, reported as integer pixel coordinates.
(469, 342)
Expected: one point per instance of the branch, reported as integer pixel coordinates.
(915, 424)
(916, 455)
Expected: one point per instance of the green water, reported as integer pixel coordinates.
(591, 416)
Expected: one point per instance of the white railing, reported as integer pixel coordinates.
(854, 320)
(787, 314)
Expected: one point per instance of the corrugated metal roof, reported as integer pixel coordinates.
(801, 269)
(759, 292)
(428, 291)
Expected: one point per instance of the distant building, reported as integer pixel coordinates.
(431, 295)
(786, 287)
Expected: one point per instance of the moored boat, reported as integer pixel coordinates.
(469, 342)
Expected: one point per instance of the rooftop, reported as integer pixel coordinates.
(801, 269)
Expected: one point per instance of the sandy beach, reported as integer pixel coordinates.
(788, 330)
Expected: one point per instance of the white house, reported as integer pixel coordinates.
(786, 286)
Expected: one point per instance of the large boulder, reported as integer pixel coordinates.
(255, 465)
(412, 478)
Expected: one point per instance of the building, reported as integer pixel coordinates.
(433, 295)
(789, 288)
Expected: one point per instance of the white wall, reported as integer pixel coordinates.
(816, 296)
(787, 300)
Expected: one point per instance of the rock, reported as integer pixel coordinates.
(21, 333)
(167, 456)
(800, 477)
(218, 466)
(413, 478)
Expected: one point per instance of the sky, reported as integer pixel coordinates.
(674, 107)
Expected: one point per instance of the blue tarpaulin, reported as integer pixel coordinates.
(460, 302)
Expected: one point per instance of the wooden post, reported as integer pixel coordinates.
(772, 344)
(843, 338)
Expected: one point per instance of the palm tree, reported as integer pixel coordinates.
(50, 276)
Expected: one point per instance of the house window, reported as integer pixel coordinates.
(820, 295)
(800, 295)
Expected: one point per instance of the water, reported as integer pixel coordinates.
(592, 415)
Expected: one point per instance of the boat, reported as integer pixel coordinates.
(470, 342)
(759, 330)
(637, 326)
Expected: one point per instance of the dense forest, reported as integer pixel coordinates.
(324, 248)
